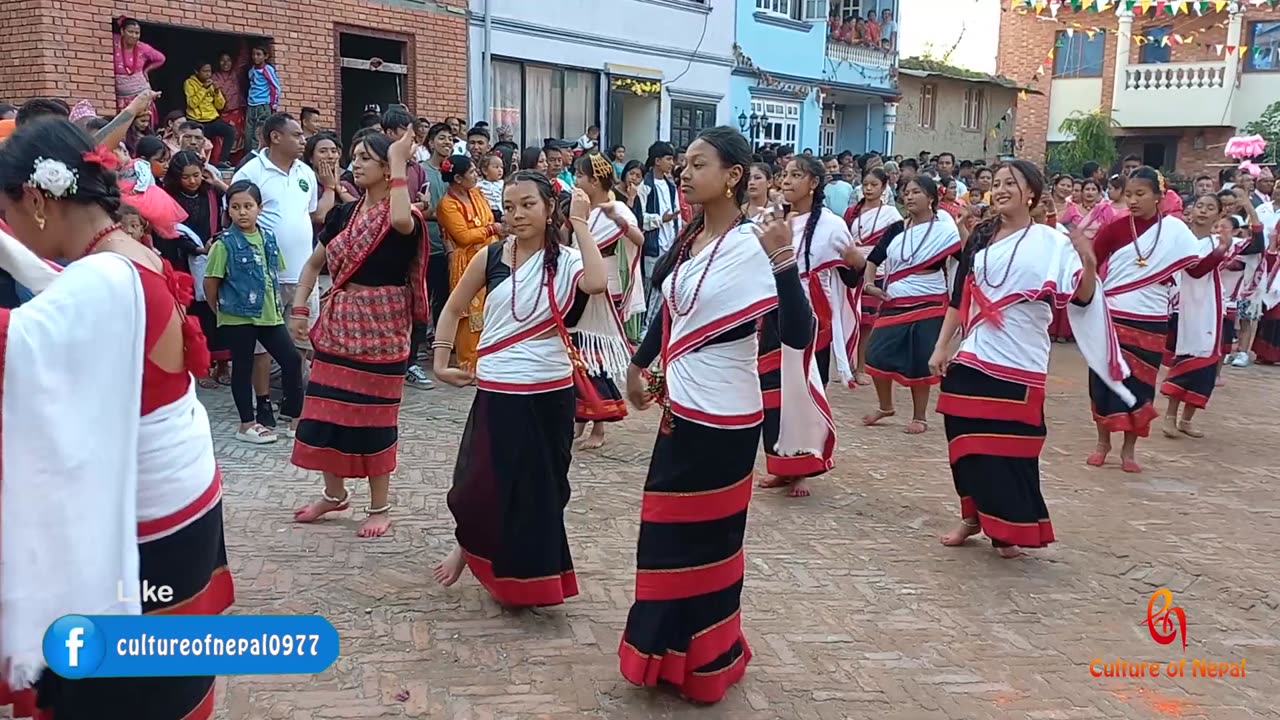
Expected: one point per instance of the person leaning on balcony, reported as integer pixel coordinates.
(889, 28)
(204, 102)
(871, 29)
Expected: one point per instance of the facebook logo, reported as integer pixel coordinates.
(73, 647)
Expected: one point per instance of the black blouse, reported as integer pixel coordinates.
(388, 264)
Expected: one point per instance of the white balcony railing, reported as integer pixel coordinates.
(1194, 94)
(860, 54)
(1175, 76)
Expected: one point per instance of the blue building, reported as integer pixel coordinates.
(798, 80)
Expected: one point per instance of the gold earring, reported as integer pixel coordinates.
(728, 192)
(40, 221)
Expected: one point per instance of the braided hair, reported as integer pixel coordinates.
(877, 173)
(551, 239)
(56, 138)
(812, 167)
(986, 231)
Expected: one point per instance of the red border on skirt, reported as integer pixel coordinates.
(1012, 446)
(796, 465)
(902, 379)
(352, 415)
(681, 583)
(684, 507)
(522, 592)
(1028, 411)
(675, 667)
(342, 464)
(609, 411)
(1183, 395)
(387, 387)
(1033, 535)
(1135, 421)
(216, 596)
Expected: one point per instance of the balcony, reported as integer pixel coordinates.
(861, 64)
(1194, 94)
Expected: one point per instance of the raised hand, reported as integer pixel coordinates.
(580, 205)
(402, 150)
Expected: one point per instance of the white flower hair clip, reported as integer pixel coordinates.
(53, 178)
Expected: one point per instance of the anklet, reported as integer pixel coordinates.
(334, 500)
(968, 523)
(371, 510)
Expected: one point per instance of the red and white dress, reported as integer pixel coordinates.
(867, 227)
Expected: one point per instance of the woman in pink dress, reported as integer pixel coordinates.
(132, 60)
(229, 77)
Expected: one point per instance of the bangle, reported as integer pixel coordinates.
(442, 343)
(778, 252)
(574, 218)
(300, 311)
(398, 182)
(783, 266)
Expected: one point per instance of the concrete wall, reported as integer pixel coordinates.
(948, 133)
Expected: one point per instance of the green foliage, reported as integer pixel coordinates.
(1268, 126)
(1091, 141)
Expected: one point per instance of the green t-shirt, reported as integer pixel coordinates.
(217, 268)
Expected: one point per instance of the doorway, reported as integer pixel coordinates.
(183, 49)
(635, 113)
(373, 71)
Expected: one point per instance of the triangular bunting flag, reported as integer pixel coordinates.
(1220, 4)
(1219, 49)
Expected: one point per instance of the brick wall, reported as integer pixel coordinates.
(1025, 40)
(63, 47)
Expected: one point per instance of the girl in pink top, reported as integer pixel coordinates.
(132, 60)
(1068, 212)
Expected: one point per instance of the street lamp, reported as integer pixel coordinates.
(752, 126)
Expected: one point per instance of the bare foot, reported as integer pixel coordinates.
(1099, 456)
(862, 378)
(916, 427)
(1170, 427)
(1129, 465)
(578, 429)
(799, 488)
(775, 481)
(1186, 428)
(312, 512)
(877, 416)
(376, 525)
(1010, 552)
(594, 441)
(450, 569)
(956, 537)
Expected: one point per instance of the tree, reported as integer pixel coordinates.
(1268, 126)
(1091, 140)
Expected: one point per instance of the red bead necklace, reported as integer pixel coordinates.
(515, 270)
(97, 239)
(697, 290)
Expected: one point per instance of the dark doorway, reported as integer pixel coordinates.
(374, 72)
(183, 49)
(1159, 154)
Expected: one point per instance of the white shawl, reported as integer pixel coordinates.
(1138, 291)
(1006, 332)
(600, 333)
(917, 248)
(717, 384)
(72, 389)
(608, 233)
(1200, 309)
(835, 304)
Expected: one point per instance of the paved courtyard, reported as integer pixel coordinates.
(852, 608)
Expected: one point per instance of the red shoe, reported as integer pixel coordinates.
(1130, 466)
(1097, 459)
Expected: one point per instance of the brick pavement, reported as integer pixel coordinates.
(852, 607)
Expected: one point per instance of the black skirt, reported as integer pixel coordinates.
(1142, 344)
(995, 432)
(350, 417)
(900, 348)
(685, 627)
(769, 366)
(510, 488)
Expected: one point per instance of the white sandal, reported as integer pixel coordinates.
(257, 435)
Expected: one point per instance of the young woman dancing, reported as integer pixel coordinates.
(914, 256)
(868, 220)
(610, 223)
(1197, 331)
(511, 480)
(716, 282)
(1012, 272)
(1139, 256)
(792, 381)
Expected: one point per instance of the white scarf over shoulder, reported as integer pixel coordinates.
(1138, 291)
(834, 302)
(720, 288)
(1200, 309)
(72, 389)
(608, 233)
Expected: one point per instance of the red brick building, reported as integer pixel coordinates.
(321, 50)
(1176, 102)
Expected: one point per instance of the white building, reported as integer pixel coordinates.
(641, 70)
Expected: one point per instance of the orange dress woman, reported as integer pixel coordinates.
(468, 225)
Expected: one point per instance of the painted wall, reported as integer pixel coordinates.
(659, 36)
(1069, 96)
(967, 29)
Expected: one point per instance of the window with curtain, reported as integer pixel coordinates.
(506, 93)
(581, 103)
(1078, 55)
(541, 102)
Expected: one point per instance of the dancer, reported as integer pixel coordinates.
(685, 627)
(1139, 255)
(1267, 343)
(1197, 329)
(468, 227)
(1011, 273)
(914, 256)
(609, 222)
(376, 251)
(108, 461)
(759, 191)
(868, 220)
(511, 479)
(792, 393)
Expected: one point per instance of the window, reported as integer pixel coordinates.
(848, 8)
(784, 121)
(794, 9)
(688, 119)
(1077, 55)
(830, 128)
(974, 100)
(1263, 54)
(1154, 48)
(928, 106)
(540, 102)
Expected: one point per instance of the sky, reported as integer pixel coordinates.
(935, 27)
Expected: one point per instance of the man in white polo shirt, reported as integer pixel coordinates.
(289, 197)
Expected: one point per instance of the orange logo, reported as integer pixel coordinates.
(1166, 633)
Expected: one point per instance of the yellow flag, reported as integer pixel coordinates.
(1221, 4)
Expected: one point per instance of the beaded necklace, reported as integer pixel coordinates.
(875, 220)
(97, 239)
(697, 290)
(907, 257)
(515, 271)
(1133, 227)
(986, 274)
